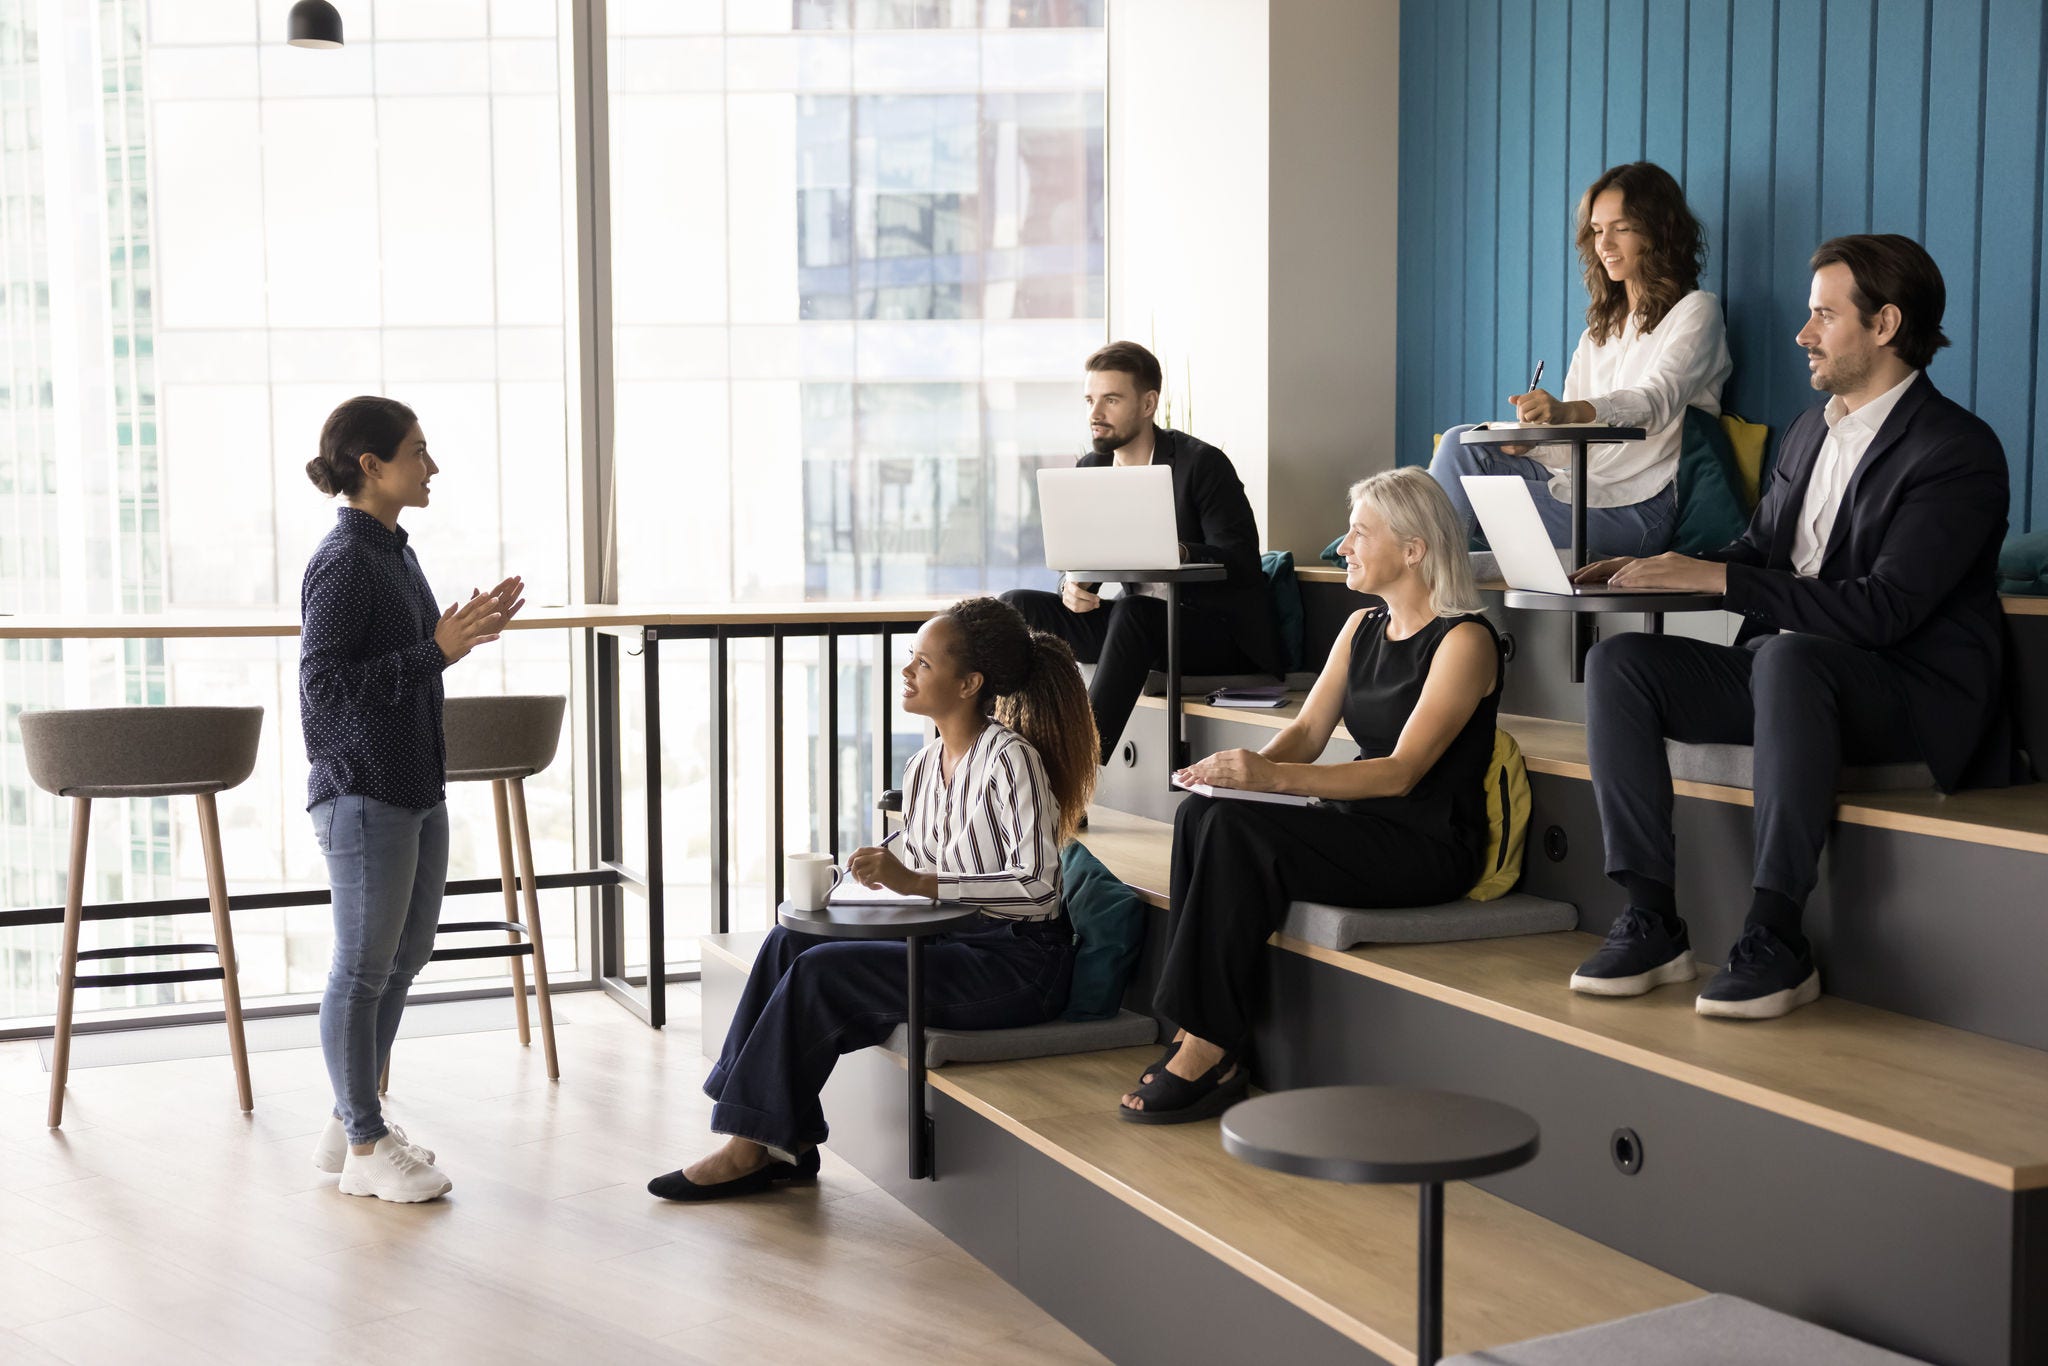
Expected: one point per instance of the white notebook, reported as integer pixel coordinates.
(850, 892)
(1240, 794)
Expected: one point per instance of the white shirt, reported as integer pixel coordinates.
(1841, 452)
(992, 835)
(1648, 381)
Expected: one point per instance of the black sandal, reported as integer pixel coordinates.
(1176, 1100)
(1156, 1068)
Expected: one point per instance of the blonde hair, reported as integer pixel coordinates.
(1416, 508)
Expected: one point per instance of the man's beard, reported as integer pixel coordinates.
(1834, 376)
(1114, 442)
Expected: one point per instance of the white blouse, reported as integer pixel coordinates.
(1644, 380)
(992, 834)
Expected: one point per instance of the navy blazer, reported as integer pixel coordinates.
(1213, 519)
(1910, 572)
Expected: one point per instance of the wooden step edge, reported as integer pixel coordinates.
(2001, 1175)
(1267, 1277)
(1852, 811)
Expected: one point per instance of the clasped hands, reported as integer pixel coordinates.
(465, 626)
(1240, 768)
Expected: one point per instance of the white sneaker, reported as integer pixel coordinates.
(332, 1149)
(393, 1171)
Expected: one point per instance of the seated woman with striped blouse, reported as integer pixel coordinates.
(986, 807)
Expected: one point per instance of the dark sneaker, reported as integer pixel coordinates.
(1763, 980)
(1640, 954)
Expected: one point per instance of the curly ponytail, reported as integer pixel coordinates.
(1032, 685)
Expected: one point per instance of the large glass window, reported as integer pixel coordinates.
(207, 240)
(857, 260)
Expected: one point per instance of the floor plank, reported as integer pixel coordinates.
(162, 1225)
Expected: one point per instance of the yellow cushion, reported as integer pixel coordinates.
(1748, 439)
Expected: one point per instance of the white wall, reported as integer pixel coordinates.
(1253, 149)
(1188, 157)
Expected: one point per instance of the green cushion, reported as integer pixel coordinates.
(1286, 591)
(1330, 555)
(1109, 932)
(1710, 505)
(2023, 564)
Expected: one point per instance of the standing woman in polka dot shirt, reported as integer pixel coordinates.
(372, 645)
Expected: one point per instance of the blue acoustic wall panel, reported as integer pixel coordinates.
(1788, 121)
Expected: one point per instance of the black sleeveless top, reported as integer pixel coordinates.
(1448, 803)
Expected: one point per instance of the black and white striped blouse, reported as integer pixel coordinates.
(992, 834)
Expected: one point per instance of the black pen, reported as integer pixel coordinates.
(1535, 379)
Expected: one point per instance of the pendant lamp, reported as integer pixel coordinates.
(314, 23)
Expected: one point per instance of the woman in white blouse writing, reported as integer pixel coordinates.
(1654, 345)
(986, 807)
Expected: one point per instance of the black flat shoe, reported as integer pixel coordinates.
(1176, 1100)
(676, 1186)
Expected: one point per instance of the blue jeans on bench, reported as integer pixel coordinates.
(810, 999)
(1643, 528)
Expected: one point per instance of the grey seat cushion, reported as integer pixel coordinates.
(1719, 1330)
(1340, 927)
(1200, 685)
(105, 752)
(501, 737)
(1735, 766)
(1127, 1030)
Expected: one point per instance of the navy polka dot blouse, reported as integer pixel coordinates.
(369, 670)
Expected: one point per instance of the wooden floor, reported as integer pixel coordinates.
(162, 1226)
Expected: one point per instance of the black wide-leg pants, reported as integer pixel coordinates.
(1238, 864)
(1125, 639)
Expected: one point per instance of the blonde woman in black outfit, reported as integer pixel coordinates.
(1416, 683)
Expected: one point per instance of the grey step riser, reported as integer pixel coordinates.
(1730, 1197)
(1091, 1261)
(1939, 929)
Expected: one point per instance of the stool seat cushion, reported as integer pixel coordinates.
(1735, 766)
(109, 752)
(1706, 1332)
(491, 738)
(1127, 1029)
(1340, 927)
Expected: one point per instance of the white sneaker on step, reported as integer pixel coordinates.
(393, 1171)
(332, 1149)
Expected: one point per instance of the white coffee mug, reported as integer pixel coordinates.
(809, 879)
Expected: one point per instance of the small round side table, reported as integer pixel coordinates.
(1387, 1135)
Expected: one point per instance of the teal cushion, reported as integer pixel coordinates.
(1109, 932)
(1330, 555)
(1710, 508)
(1286, 592)
(2023, 564)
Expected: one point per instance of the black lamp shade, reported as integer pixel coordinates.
(314, 23)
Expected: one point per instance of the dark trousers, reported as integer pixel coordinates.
(1125, 639)
(810, 999)
(1808, 704)
(1237, 865)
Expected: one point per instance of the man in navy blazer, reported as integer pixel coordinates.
(1871, 634)
(1227, 627)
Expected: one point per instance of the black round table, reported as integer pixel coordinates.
(1383, 1135)
(913, 924)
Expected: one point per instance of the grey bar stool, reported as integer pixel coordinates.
(110, 752)
(504, 741)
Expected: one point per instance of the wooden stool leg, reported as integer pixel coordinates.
(517, 788)
(224, 940)
(67, 965)
(505, 877)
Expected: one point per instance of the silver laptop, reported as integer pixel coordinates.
(1109, 517)
(1521, 545)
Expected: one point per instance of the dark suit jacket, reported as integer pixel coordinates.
(1215, 523)
(1909, 572)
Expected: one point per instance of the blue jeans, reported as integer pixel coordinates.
(1644, 528)
(388, 866)
(810, 999)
